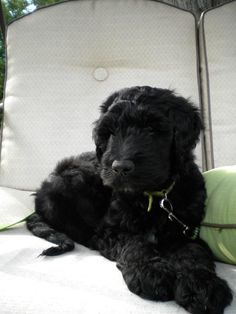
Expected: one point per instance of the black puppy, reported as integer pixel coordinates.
(138, 200)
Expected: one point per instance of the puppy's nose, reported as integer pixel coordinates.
(122, 167)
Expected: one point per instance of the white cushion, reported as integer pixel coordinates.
(80, 281)
(220, 37)
(64, 60)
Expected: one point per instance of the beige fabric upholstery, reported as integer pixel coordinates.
(65, 59)
(220, 38)
(62, 62)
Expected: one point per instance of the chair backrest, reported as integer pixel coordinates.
(65, 59)
(219, 31)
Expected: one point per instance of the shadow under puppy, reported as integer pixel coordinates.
(138, 200)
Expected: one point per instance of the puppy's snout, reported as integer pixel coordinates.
(122, 167)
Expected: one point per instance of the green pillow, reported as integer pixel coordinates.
(219, 225)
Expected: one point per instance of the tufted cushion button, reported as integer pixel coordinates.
(100, 74)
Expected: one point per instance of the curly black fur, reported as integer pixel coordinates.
(144, 140)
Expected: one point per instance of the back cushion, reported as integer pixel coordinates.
(64, 60)
(220, 36)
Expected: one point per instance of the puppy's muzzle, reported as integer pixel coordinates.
(122, 167)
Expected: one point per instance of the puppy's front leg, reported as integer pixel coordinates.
(145, 271)
(198, 288)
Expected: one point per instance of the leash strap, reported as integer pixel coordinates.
(225, 251)
(219, 226)
(4, 228)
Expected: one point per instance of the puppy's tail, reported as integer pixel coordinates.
(40, 228)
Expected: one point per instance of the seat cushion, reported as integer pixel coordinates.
(59, 70)
(81, 281)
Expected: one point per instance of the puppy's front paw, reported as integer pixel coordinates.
(150, 281)
(202, 292)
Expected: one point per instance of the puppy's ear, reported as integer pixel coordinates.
(187, 127)
(98, 140)
(101, 132)
(109, 101)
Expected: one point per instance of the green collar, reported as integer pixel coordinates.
(161, 193)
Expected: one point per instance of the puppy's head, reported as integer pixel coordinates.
(144, 136)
